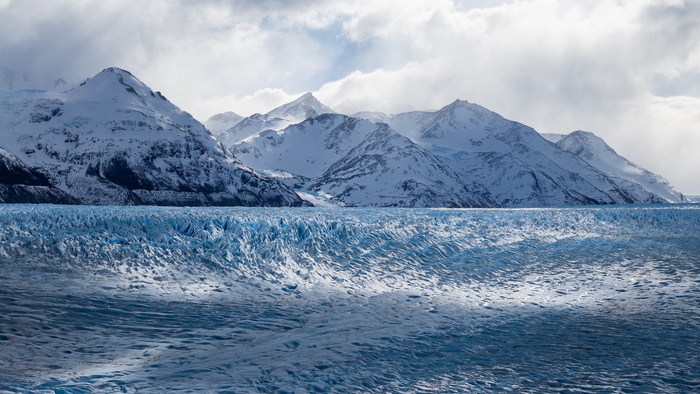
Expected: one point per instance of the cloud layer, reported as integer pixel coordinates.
(627, 70)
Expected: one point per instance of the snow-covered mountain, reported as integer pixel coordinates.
(219, 123)
(643, 185)
(305, 107)
(306, 149)
(493, 160)
(113, 140)
(21, 184)
(387, 169)
(357, 162)
(374, 116)
(506, 161)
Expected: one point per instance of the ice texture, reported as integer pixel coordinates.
(134, 299)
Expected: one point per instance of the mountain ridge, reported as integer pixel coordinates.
(502, 160)
(304, 107)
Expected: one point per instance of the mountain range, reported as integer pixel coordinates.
(478, 153)
(114, 141)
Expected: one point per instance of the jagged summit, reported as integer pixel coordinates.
(306, 106)
(115, 82)
(460, 114)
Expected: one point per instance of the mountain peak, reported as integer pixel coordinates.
(115, 74)
(304, 107)
(466, 104)
(110, 79)
(585, 144)
(642, 184)
(118, 71)
(307, 98)
(581, 133)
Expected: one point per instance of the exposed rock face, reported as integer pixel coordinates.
(21, 184)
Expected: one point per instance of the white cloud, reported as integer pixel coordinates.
(553, 64)
(261, 101)
(662, 134)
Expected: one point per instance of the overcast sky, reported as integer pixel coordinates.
(628, 71)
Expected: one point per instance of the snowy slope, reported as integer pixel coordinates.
(112, 140)
(307, 149)
(358, 162)
(21, 184)
(387, 169)
(250, 126)
(644, 185)
(505, 160)
(305, 107)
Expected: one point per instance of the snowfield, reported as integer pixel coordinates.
(133, 299)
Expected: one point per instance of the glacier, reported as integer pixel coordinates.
(132, 299)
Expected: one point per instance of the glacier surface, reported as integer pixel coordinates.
(131, 299)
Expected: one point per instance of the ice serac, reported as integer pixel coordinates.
(113, 140)
(507, 161)
(305, 107)
(21, 184)
(643, 185)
